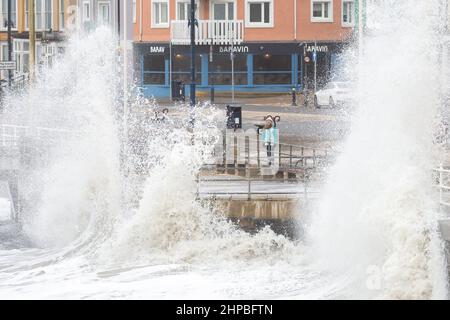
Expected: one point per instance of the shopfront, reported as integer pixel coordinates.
(258, 67)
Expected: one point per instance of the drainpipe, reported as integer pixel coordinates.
(295, 20)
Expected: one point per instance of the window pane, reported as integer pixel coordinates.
(220, 70)
(230, 11)
(255, 12)
(317, 10)
(271, 63)
(272, 78)
(219, 11)
(156, 7)
(164, 13)
(326, 5)
(181, 12)
(154, 63)
(222, 63)
(266, 12)
(345, 10)
(182, 63)
(154, 78)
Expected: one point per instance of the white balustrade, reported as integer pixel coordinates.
(218, 32)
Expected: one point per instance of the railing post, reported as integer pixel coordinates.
(441, 176)
(257, 151)
(247, 150)
(197, 179)
(3, 136)
(279, 155)
(305, 188)
(290, 156)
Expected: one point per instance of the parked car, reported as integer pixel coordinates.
(333, 94)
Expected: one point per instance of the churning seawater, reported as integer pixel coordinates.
(94, 228)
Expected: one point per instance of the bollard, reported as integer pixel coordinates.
(294, 98)
(212, 94)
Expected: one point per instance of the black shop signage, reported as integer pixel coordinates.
(243, 48)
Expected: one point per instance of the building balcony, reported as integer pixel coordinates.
(216, 32)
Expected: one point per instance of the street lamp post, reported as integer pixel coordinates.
(31, 37)
(9, 41)
(232, 68)
(192, 24)
(360, 27)
(125, 66)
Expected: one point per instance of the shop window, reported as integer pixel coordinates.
(348, 13)
(220, 72)
(181, 68)
(259, 13)
(321, 10)
(160, 14)
(154, 69)
(272, 69)
(4, 14)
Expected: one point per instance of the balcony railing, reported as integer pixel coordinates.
(219, 32)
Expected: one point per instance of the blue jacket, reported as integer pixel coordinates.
(269, 136)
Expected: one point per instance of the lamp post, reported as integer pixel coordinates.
(31, 37)
(9, 41)
(360, 27)
(192, 24)
(125, 66)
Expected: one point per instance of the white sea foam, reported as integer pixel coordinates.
(377, 218)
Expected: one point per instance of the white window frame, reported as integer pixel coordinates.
(211, 8)
(134, 10)
(159, 25)
(87, 13)
(18, 45)
(62, 15)
(249, 24)
(177, 17)
(4, 73)
(2, 27)
(43, 12)
(344, 23)
(109, 11)
(330, 11)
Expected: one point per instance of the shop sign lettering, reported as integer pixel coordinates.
(318, 48)
(236, 49)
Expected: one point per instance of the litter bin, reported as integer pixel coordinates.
(234, 117)
(178, 90)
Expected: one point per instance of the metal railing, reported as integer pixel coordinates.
(252, 189)
(288, 156)
(18, 82)
(218, 32)
(442, 177)
(10, 135)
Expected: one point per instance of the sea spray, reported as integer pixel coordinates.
(77, 181)
(376, 221)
